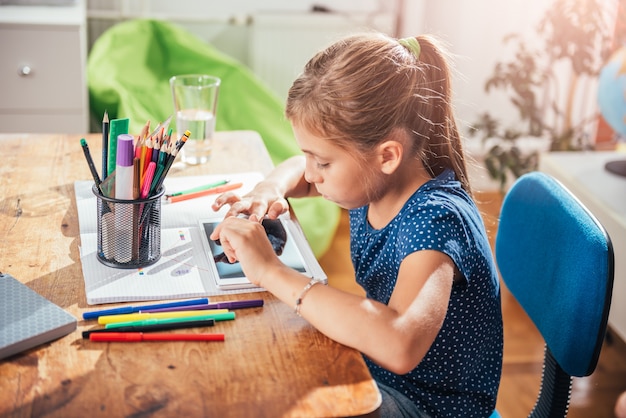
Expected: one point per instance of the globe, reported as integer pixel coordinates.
(612, 100)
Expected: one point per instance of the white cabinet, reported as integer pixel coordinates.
(42, 71)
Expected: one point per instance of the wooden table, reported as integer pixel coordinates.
(272, 364)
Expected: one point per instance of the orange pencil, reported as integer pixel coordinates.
(221, 189)
(141, 138)
(145, 130)
(147, 156)
(138, 147)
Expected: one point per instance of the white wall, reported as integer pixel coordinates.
(220, 9)
(227, 25)
(473, 30)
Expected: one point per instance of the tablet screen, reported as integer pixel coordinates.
(281, 239)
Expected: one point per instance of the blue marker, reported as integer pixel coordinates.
(133, 309)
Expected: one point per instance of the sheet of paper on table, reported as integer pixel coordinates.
(182, 271)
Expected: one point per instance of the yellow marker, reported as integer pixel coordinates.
(110, 319)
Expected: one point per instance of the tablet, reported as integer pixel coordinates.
(289, 244)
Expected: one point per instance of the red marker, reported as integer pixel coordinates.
(140, 336)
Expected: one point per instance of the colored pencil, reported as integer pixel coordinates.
(216, 190)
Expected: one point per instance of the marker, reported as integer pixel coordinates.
(154, 327)
(226, 316)
(124, 191)
(109, 319)
(216, 190)
(236, 304)
(124, 167)
(131, 309)
(140, 336)
(136, 195)
(92, 167)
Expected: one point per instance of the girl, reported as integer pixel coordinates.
(373, 118)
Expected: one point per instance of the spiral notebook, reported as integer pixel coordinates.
(27, 319)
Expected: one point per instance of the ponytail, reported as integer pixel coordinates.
(444, 149)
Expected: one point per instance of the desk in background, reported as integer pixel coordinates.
(604, 194)
(273, 363)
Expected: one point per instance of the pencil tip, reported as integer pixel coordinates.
(105, 119)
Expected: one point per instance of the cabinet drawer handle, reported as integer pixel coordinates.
(25, 70)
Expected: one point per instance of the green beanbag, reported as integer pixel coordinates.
(128, 70)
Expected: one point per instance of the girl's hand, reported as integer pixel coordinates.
(246, 242)
(264, 199)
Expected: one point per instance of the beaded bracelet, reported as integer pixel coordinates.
(308, 287)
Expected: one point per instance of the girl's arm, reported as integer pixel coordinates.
(396, 336)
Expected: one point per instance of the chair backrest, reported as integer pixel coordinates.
(557, 261)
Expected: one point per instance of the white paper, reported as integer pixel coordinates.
(182, 271)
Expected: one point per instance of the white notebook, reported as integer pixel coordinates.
(185, 269)
(27, 319)
(182, 271)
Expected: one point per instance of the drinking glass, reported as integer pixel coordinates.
(195, 104)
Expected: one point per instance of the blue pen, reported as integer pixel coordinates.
(132, 309)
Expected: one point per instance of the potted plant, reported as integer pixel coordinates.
(575, 36)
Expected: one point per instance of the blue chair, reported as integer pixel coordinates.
(557, 261)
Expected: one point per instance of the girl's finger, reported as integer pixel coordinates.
(228, 198)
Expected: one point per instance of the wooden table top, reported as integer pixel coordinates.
(272, 363)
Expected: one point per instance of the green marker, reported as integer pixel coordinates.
(216, 317)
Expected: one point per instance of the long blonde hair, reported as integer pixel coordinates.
(361, 88)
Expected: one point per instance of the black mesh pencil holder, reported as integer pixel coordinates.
(129, 231)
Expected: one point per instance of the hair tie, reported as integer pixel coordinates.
(412, 45)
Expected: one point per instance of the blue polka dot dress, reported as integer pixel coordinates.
(460, 374)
